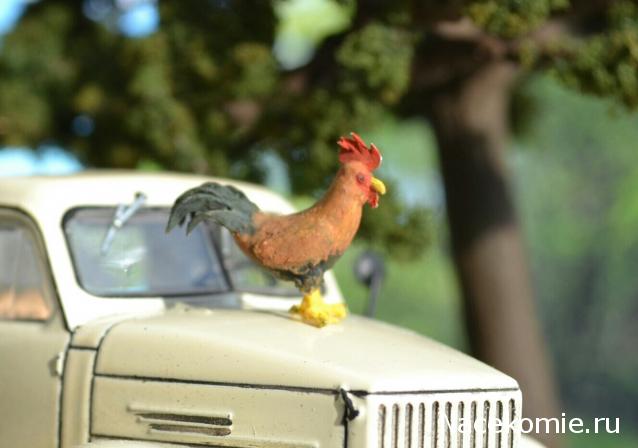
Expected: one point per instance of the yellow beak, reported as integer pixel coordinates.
(377, 185)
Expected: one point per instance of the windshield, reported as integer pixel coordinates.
(143, 261)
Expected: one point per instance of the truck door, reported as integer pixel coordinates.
(33, 338)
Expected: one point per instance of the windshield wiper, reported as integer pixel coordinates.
(122, 214)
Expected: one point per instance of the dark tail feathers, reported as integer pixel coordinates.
(222, 204)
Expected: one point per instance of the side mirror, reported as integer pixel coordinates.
(369, 269)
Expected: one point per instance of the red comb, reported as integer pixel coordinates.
(355, 149)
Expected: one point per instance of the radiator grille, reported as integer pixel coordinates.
(436, 423)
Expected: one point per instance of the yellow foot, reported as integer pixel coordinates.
(314, 311)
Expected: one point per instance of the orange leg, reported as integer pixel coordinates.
(314, 311)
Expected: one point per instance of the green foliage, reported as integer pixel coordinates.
(29, 108)
(143, 95)
(204, 93)
(377, 58)
(396, 228)
(623, 15)
(512, 18)
(605, 64)
(254, 71)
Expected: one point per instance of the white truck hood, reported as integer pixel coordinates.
(270, 349)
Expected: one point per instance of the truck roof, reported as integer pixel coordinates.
(45, 195)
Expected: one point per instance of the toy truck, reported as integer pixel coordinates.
(113, 333)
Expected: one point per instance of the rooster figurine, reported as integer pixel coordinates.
(299, 247)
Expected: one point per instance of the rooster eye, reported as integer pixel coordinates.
(361, 178)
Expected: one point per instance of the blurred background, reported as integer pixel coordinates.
(507, 130)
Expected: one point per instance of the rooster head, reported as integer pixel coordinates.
(362, 161)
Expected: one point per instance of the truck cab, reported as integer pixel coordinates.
(114, 333)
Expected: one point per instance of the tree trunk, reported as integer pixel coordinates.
(470, 122)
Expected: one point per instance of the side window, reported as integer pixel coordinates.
(23, 291)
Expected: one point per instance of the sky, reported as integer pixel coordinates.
(10, 11)
(49, 160)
